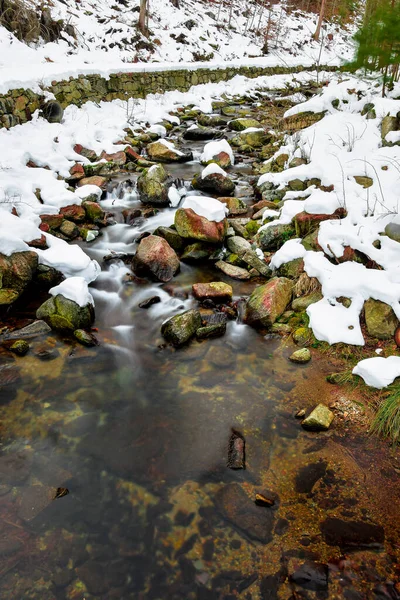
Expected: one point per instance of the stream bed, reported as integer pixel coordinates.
(114, 481)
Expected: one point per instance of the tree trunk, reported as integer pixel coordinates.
(320, 19)
(142, 17)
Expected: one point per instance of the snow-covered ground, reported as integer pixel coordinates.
(107, 39)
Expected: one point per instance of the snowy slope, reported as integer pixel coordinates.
(107, 33)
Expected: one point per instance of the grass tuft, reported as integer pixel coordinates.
(386, 422)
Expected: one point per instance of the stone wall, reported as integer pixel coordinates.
(18, 105)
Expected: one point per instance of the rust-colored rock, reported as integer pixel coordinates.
(74, 213)
(101, 182)
(192, 226)
(118, 158)
(305, 222)
(216, 291)
(155, 257)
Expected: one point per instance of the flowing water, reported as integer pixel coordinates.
(138, 433)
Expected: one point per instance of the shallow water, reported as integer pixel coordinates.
(138, 433)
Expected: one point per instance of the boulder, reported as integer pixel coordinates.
(218, 152)
(243, 123)
(74, 213)
(69, 229)
(190, 225)
(97, 180)
(238, 245)
(200, 133)
(252, 137)
(155, 257)
(380, 319)
(16, 272)
(389, 124)
(172, 236)
(153, 185)
(235, 206)
(392, 230)
(216, 291)
(320, 419)
(302, 303)
(214, 180)
(274, 236)
(292, 269)
(268, 302)
(198, 251)
(180, 329)
(65, 315)
(232, 271)
(301, 121)
(93, 211)
(165, 151)
(251, 259)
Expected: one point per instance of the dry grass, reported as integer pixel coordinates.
(306, 285)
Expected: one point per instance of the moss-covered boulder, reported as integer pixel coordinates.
(302, 303)
(190, 225)
(301, 120)
(252, 137)
(380, 319)
(292, 269)
(274, 236)
(156, 258)
(243, 123)
(16, 272)
(389, 124)
(93, 212)
(152, 186)
(64, 314)
(180, 329)
(216, 183)
(172, 236)
(166, 152)
(268, 302)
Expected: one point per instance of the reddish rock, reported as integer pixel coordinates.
(76, 172)
(268, 302)
(86, 152)
(101, 182)
(131, 155)
(118, 158)
(305, 222)
(263, 204)
(216, 291)
(155, 257)
(52, 221)
(39, 243)
(222, 159)
(74, 213)
(348, 255)
(44, 227)
(190, 225)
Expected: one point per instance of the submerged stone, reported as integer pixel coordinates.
(358, 534)
(311, 576)
(85, 338)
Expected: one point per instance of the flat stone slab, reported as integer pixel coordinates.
(232, 271)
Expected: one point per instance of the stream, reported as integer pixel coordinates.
(113, 469)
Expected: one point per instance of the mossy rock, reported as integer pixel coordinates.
(302, 303)
(152, 186)
(65, 315)
(380, 319)
(243, 123)
(180, 329)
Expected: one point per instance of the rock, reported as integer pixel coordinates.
(153, 185)
(197, 251)
(74, 213)
(268, 302)
(232, 271)
(52, 111)
(302, 303)
(165, 151)
(236, 451)
(85, 338)
(274, 236)
(216, 183)
(305, 223)
(253, 137)
(238, 245)
(389, 124)
(319, 419)
(219, 153)
(97, 180)
(200, 133)
(311, 576)
(155, 257)
(212, 330)
(48, 277)
(180, 329)
(213, 120)
(93, 212)
(53, 221)
(20, 347)
(69, 229)
(193, 226)
(16, 272)
(149, 302)
(392, 230)
(250, 520)
(93, 575)
(117, 158)
(301, 336)
(281, 328)
(301, 356)
(292, 269)
(243, 123)
(364, 181)
(297, 185)
(352, 534)
(251, 258)
(310, 242)
(86, 152)
(236, 206)
(33, 330)
(380, 319)
(172, 236)
(216, 291)
(65, 315)
(301, 121)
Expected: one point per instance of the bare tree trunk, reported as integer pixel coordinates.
(230, 14)
(320, 19)
(143, 17)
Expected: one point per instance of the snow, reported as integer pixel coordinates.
(212, 169)
(174, 196)
(378, 372)
(74, 288)
(170, 146)
(210, 208)
(214, 148)
(290, 250)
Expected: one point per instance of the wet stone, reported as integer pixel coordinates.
(352, 534)
(149, 302)
(320, 419)
(93, 576)
(308, 476)
(311, 576)
(85, 338)
(20, 347)
(253, 521)
(236, 451)
(211, 331)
